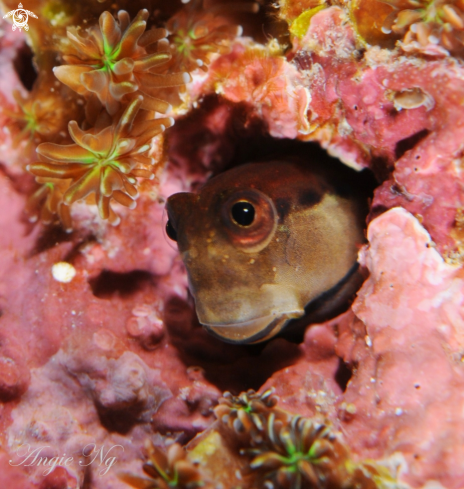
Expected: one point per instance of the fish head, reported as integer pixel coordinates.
(259, 242)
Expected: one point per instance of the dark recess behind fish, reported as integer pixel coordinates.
(346, 180)
(243, 138)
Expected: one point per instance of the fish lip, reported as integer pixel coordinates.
(273, 324)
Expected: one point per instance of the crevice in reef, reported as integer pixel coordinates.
(24, 66)
(87, 482)
(244, 139)
(381, 169)
(108, 283)
(376, 211)
(119, 421)
(51, 236)
(195, 148)
(409, 143)
(343, 375)
(229, 367)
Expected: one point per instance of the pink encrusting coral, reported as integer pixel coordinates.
(271, 85)
(89, 367)
(408, 387)
(109, 356)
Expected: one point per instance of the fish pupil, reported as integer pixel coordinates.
(170, 231)
(243, 213)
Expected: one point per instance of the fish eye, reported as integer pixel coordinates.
(243, 213)
(170, 231)
(249, 218)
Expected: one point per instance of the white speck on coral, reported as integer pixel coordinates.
(351, 408)
(444, 328)
(433, 485)
(142, 310)
(368, 341)
(398, 411)
(63, 272)
(184, 393)
(104, 339)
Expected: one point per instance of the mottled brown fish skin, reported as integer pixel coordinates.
(248, 281)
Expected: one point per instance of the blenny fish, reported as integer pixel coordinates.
(263, 241)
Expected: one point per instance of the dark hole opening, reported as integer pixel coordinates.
(198, 145)
(24, 66)
(408, 143)
(381, 168)
(243, 138)
(119, 420)
(51, 236)
(108, 283)
(235, 368)
(343, 375)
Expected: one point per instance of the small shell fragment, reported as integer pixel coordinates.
(412, 98)
(63, 272)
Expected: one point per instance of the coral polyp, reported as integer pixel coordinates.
(244, 412)
(47, 202)
(299, 454)
(170, 470)
(105, 162)
(198, 33)
(428, 22)
(36, 117)
(114, 59)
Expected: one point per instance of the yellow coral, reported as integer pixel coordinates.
(300, 25)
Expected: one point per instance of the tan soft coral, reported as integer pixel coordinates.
(245, 412)
(36, 118)
(42, 114)
(117, 58)
(104, 162)
(166, 471)
(197, 32)
(47, 202)
(301, 454)
(427, 23)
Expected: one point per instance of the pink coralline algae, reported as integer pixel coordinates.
(269, 83)
(111, 368)
(412, 310)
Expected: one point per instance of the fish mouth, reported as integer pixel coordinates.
(252, 331)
